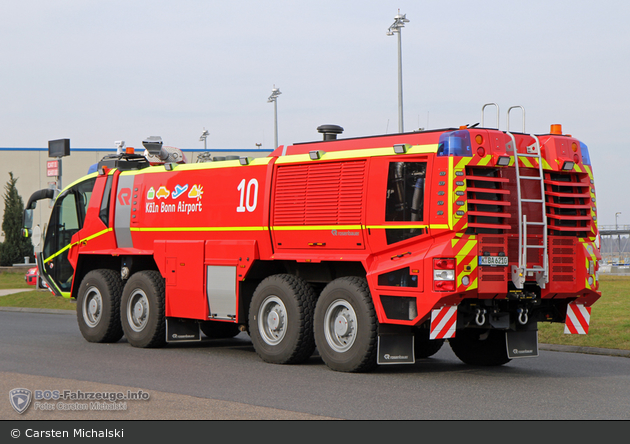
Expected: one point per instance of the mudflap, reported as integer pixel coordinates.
(395, 349)
(182, 330)
(522, 343)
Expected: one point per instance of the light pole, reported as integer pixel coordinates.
(396, 28)
(275, 92)
(203, 137)
(618, 235)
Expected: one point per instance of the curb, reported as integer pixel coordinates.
(39, 310)
(585, 350)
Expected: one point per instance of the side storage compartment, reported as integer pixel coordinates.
(182, 265)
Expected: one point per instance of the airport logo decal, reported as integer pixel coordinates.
(179, 190)
(182, 206)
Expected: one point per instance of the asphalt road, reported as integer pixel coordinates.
(225, 379)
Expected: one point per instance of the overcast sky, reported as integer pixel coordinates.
(100, 71)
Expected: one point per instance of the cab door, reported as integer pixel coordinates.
(397, 211)
(398, 231)
(66, 219)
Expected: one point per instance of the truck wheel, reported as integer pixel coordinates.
(142, 310)
(480, 347)
(219, 330)
(98, 306)
(423, 347)
(345, 326)
(281, 319)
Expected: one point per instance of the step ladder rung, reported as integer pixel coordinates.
(536, 223)
(528, 155)
(532, 200)
(532, 177)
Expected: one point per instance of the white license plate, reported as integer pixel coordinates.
(493, 261)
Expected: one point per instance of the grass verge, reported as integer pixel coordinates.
(37, 299)
(610, 319)
(13, 280)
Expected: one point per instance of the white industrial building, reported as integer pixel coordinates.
(29, 165)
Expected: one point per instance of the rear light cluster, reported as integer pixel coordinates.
(444, 274)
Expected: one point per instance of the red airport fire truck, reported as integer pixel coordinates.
(372, 250)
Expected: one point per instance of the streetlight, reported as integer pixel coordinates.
(203, 137)
(275, 92)
(396, 28)
(618, 235)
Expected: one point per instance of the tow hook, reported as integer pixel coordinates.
(480, 318)
(523, 316)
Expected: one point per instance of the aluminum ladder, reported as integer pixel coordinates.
(541, 271)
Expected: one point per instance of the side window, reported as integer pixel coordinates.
(103, 213)
(83, 193)
(64, 222)
(405, 199)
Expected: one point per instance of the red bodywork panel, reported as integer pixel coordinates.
(291, 208)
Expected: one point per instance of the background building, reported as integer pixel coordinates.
(29, 165)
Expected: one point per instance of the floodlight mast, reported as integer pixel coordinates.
(275, 92)
(396, 28)
(203, 137)
(618, 235)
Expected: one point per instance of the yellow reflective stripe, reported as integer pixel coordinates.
(467, 248)
(89, 176)
(67, 247)
(355, 154)
(439, 226)
(257, 161)
(546, 165)
(94, 236)
(316, 227)
(155, 229)
(288, 228)
(462, 163)
(589, 171)
(485, 160)
(450, 193)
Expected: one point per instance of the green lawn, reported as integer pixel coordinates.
(37, 299)
(30, 299)
(610, 319)
(609, 327)
(13, 280)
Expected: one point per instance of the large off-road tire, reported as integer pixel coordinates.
(142, 310)
(98, 306)
(480, 347)
(281, 319)
(219, 330)
(346, 326)
(423, 347)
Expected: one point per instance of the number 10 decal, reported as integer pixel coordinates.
(249, 200)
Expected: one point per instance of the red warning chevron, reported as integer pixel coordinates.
(578, 319)
(443, 322)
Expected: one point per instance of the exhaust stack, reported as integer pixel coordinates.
(330, 131)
